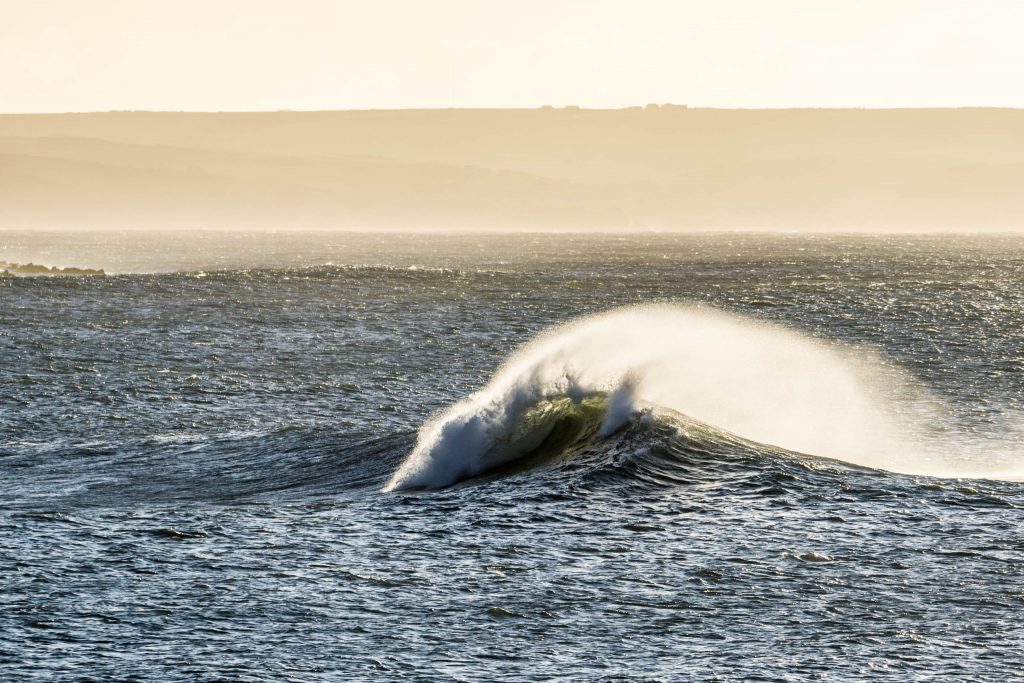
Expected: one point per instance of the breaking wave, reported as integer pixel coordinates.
(763, 383)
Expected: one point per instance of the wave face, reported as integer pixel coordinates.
(763, 382)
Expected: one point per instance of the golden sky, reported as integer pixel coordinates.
(209, 55)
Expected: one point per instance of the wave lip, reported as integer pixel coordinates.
(760, 381)
(471, 442)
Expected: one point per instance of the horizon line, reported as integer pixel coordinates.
(651, 106)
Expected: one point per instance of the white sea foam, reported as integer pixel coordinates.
(761, 381)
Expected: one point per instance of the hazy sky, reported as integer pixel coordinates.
(86, 55)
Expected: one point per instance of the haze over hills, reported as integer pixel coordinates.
(665, 168)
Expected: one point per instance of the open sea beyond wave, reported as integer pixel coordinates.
(512, 458)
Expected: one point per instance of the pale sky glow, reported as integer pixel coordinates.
(209, 55)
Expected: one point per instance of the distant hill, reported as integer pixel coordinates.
(569, 169)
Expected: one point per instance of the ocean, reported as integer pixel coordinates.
(335, 457)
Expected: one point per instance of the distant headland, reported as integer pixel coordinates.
(657, 167)
(8, 270)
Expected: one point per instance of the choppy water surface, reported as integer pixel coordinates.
(194, 451)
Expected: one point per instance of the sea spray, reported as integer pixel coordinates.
(761, 381)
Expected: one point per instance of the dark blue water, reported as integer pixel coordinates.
(193, 450)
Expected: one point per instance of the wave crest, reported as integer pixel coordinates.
(761, 381)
